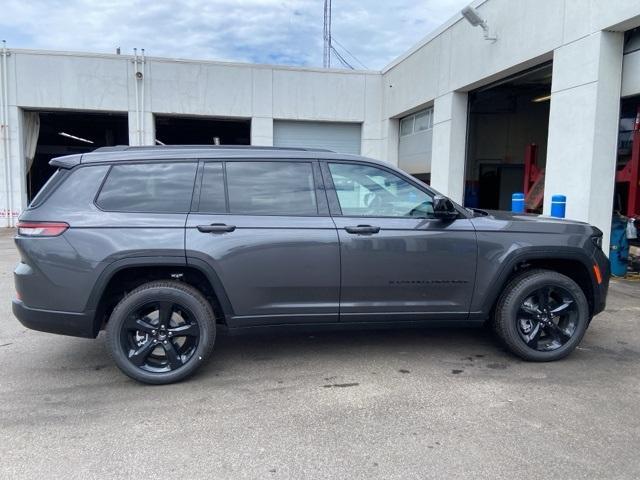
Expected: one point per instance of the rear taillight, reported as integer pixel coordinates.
(42, 229)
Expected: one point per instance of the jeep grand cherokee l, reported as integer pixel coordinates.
(164, 246)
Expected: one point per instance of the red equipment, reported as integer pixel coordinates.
(533, 179)
(630, 173)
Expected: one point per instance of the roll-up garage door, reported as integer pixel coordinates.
(414, 146)
(339, 137)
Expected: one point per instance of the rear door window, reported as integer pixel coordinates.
(149, 187)
(271, 188)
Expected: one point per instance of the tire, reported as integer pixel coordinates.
(161, 332)
(517, 318)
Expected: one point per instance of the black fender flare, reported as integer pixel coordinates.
(154, 261)
(525, 254)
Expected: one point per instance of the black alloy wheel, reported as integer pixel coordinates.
(547, 319)
(541, 315)
(160, 336)
(161, 332)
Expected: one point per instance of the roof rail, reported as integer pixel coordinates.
(123, 148)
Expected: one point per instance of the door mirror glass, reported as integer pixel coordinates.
(443, 208)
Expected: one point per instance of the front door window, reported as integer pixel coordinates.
(367, 191)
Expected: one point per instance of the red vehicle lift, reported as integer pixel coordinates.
(533, 179)
(630, 173)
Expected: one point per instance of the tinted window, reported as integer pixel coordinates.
(48, 187)
(374, 192)
(271, 188)
(152, 187)
(212, 198)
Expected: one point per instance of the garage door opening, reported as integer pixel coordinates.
(67, 133)
(507, 140)
(171, 130)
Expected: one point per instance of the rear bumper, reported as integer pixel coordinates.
(62, 323)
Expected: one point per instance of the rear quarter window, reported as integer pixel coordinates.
(48, 188)
(149, 187)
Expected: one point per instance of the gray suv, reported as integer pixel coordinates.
(162, 247)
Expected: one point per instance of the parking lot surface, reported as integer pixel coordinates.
(428, 403)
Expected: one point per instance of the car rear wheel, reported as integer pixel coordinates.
(541, 315)
(161, 332)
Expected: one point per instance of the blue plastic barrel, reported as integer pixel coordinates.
(558, 206)
(517, 203)
(619, 247)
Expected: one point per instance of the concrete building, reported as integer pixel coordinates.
(457, 110)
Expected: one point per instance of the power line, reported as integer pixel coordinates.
(341, 58)
(333, 40)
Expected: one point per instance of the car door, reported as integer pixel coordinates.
(264, 228)
(397, 260)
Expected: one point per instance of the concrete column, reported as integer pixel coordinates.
(391, 131)
(449, 144)
(583, 128)
(372, 127)
(262, 107)
(262, 131)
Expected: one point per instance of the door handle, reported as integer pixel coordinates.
(216, 228)
(363, 229)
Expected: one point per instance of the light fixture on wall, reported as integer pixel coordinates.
(473, 17)
(73, 137)
(543, 98)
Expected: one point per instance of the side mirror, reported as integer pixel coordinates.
(443, 208)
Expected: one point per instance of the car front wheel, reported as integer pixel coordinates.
(161, 332)
(542, 315)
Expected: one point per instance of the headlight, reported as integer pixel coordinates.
(597, 241)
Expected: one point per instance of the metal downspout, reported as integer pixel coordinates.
(4, 120)
(142, 119)
(135, 79)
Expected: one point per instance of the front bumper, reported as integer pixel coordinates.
(601, 290)
(51, 321)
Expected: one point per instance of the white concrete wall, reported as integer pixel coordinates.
(583, 127)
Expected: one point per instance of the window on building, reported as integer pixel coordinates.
(271, 188)
(417, 122)
(406, 125)
(365, 191)
(149, 187)
(212, 194)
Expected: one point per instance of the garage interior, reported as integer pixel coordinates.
(65, 133)
(183, 130)
(507, 140)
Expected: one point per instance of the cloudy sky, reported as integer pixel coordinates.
(263, 31)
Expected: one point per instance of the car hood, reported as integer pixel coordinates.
(521, 222)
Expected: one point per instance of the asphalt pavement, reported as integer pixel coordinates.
(428, 403)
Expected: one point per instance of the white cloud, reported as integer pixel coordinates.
(264, 31)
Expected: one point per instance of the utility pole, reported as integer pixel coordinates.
(326, 60)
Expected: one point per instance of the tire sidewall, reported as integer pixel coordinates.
(137, 299)
(514, 299)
